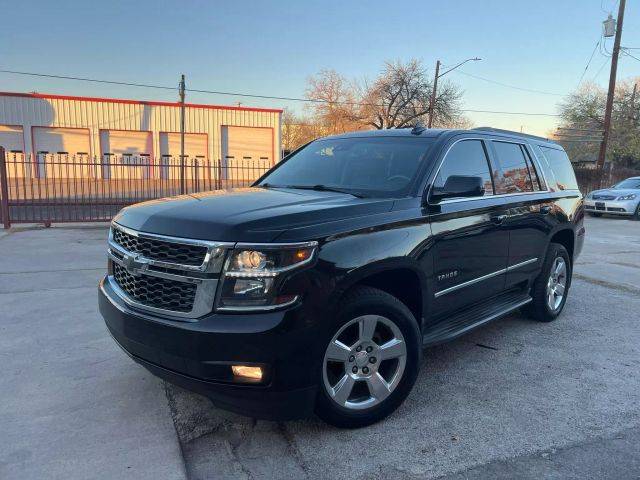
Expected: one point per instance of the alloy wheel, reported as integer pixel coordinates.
(557, 284)
(364, 362)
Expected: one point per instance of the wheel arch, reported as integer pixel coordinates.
(567, 238)
(402, 279)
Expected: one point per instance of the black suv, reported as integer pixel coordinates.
(317, 288)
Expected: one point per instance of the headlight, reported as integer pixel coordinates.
(253, 275)
(627, 197)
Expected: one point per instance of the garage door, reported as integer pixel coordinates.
(195, 145)
(124, 142)
(63, 141)
(12, 140)
(62, 152)
(126, 154)
(253, 143)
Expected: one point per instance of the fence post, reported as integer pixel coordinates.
(182, 186)
(4, 191)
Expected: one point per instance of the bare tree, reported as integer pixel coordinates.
(298, 130)
(583, 110)
(335, 105)
(400, 97)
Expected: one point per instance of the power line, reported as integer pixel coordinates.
(589, 62)
(515, 87)
(247, 95)
(629, 55)
(606, 60)
(94, 80)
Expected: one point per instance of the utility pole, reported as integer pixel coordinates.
(612, 86)
(633, 103)
(432, 100)
(181, 93)
(432, 103)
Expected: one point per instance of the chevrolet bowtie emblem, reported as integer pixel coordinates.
(134, 264)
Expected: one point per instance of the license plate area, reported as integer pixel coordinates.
(600, 206)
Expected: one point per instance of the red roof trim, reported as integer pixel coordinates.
(136, 102)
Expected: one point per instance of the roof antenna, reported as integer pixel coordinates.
(418, 128)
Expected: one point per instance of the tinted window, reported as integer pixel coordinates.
(536, 177)
(372, 166)
(514, 176)
(466, 158)
(562, 169)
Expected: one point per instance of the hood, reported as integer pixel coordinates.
(246, 214)
(616, 192)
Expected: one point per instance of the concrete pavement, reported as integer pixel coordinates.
(72, 405)
(513, 399)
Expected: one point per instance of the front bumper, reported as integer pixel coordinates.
(613, 207)
(197, 355)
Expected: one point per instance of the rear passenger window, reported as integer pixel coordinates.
(514, 176)
(536, 177)
(466, 158)
(561, 167)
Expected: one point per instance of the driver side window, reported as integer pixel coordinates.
(466, 158)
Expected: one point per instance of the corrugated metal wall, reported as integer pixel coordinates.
(99, 114)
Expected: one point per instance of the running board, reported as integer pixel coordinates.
(473, 317)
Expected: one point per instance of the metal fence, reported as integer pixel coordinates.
(78, 188)
(593, 178)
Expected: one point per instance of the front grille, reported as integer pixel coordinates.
(604, 197)
(160, 250)
(156, 292)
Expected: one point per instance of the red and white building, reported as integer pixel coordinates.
(34, 123)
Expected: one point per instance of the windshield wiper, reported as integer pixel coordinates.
(325, 188)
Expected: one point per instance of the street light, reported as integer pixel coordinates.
(435, 84)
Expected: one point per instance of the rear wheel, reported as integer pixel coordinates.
(371, 360)
(551, 288)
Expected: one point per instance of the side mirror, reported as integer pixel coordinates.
(459, 186)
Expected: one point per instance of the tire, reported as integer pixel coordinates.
(540, 308)
(593, 214)
(636, 216)
(392, 322)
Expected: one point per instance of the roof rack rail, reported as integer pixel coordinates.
(512, 132)
(418, 128)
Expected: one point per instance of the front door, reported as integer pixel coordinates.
(471, 245)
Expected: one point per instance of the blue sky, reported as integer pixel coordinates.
(272, 47)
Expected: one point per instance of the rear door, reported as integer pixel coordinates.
(519, 180)
(470, 243)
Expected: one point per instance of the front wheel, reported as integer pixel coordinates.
(551, 288)
(371, 360)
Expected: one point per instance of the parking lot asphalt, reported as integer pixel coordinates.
(515, 399)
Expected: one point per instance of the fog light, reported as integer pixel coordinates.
(247, 372)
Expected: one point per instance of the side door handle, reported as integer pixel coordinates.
(498, 219)
(545, 209)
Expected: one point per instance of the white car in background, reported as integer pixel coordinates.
(621, 199)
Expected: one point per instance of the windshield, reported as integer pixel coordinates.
(367, 166)
(628, 183)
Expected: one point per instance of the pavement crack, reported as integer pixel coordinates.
(292, 448)
(234, 442)
(611, 285)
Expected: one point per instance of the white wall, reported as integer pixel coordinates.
(29, 110)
